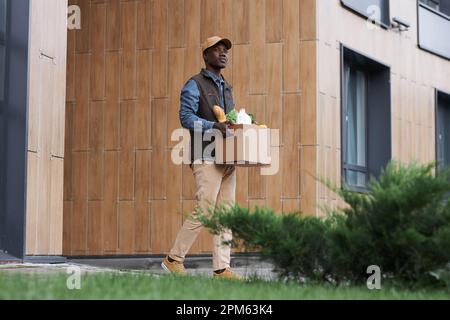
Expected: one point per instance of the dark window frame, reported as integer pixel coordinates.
(384, 24)
(3, 42)
(377, 71)
(436, 12)
(3, 35)
(437, 97)
(345, 165)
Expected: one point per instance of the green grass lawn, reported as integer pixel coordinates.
(146, 286)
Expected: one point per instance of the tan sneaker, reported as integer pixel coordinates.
(173, 267)
(228, 274)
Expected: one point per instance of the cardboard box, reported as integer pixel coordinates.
(247, 146)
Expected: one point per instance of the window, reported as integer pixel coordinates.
(366, 118)
(2, 47)
(378, 10)
(355, 81)
(434, 26)
(442, 6)
(442, 129)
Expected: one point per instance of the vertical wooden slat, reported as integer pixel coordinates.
(70, 69)
(128, 69)
(142, 227)
(176, 82)
(81, 107)
(159, 139)
(82, 35)
(97, 75)
(98, 39)
(193, 56)
(67, 228)
(241, 75)
(174, 173)
(192, 9)
(109, 207)
(274, 116)
(95, 228)
(80, 175)
(95, 175)
(274, 81)
(274, 20)
(126, 226)
(176, 23)
(79, 227)
(225, 23)
(160, 23)
(208, 22)
(143, 121)
(112, 107)
(308, 27)
(168, 214)
(79, 216)
(143, 181)
(144, 24)
(257, 47)
(96, 127)
(68, 152)
(144, 72)
(127, 153)
(290, 138)
(309, 94)
(241, 15)
(113, 32)
(291, 52)
(159, 76)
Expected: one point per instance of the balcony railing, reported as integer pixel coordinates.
(434, 31)
(376, 10)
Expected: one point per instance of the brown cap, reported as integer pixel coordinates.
(215, 40)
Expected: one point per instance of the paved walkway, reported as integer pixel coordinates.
(248, 266)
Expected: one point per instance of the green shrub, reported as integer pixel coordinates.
(402, 225)
(295, 244)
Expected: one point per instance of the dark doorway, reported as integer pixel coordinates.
(366, 118)
(442, 129)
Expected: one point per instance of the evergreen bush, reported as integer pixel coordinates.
(402, 225)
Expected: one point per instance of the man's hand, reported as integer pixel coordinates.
(222, 127)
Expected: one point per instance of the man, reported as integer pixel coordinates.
(215, 183)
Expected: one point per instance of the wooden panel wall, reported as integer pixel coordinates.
(414, 76)
(126, 66)
(46, 117)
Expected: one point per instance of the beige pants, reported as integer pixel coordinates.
(216, 184)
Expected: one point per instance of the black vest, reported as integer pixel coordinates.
(209, 96)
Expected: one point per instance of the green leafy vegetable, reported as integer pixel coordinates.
(232, 116)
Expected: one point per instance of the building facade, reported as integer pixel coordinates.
(351, 84)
